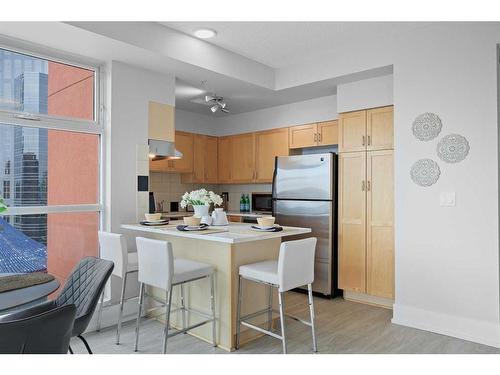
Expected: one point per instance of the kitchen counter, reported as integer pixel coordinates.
(231, 234)
(234, 246)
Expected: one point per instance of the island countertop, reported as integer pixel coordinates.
(232, 233)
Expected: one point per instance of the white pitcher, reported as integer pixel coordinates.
(219, 217)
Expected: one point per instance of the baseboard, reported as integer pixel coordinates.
(487, 333)
(367, 299)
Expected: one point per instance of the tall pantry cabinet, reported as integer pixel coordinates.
(366, 202)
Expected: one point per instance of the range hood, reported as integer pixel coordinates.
(162, 132)
(159, 150)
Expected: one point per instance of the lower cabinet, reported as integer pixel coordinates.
(366, 222)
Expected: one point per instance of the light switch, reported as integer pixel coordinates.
(447, 198)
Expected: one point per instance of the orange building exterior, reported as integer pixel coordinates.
(73, 170)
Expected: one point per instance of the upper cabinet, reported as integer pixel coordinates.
(316, 134)
(224, 150)
(303, 136)
(243, 158)
(380, 128)
(328, 133)
(184, 142)
(268, 145)
(370, 130)
(204, 160)
(161, 121)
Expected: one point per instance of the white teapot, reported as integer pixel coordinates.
(219, 217)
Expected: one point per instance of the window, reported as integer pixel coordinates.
(50, 147)
(6, 189)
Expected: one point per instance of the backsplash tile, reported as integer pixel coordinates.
(167, 187)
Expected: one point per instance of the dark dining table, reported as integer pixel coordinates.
(25, 297)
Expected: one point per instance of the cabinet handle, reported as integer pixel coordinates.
(363, 185)
(319, 137)
(368, 186)
(369, 140)
(363, 140)
(315, 137)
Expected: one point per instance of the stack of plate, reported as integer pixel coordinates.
(154, 222)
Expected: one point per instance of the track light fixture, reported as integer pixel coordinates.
(216, 102)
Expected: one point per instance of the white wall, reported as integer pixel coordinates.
(195, 122)
(447, 258)
(131, 90)
(319, 109)
(367, 93)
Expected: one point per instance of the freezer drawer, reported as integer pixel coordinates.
(304, 177)
(316, 215)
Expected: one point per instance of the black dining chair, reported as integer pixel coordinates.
(39, 330)
(83, 288)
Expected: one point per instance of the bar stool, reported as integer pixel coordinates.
(294, 268)
(114, 247)
(158, 268)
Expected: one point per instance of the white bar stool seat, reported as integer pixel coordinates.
(159, 269)
(113, 247)
(262, 271)
(189, 270)
(294, 268)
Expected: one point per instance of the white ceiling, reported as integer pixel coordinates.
(282, 44)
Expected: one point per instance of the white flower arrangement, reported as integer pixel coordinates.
(200, 197)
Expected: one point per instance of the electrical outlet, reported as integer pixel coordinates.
(447, 198)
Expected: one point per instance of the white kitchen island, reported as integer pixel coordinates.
(226, 248)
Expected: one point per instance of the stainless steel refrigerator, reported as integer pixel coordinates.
(305, 195)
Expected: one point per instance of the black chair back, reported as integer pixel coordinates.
(83, 289)
(48, 332)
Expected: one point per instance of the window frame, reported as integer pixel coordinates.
(44, 121)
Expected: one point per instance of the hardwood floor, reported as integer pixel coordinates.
(341, 327)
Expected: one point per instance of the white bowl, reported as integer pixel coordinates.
(266, 221)
(153, 217)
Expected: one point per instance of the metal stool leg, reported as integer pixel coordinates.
(141, 297)
(311, 310)
(183, 308)
(282, 318)
(238, 313)
(270, 307)
(87, 346)
(212, 306)
(99, 314)
(120, 313)
(168, 300)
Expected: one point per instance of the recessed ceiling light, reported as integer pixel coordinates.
(205, 33)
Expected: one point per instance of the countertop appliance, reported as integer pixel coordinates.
(305, 195)
(262, 202)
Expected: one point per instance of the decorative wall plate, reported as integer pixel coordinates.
(425, 172)
(453, 148)
(426, 126)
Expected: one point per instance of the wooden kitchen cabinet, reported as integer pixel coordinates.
(380, 223)
(328, 133)
(352, 221)
(243, 158)
(224, 160)
(380, 128)
(352, 131)
(204, 160)
(211, 160)
(268, 145)
(312, 135)
(366, 203)
(184, 142)
(303, 136)
(367, 130)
